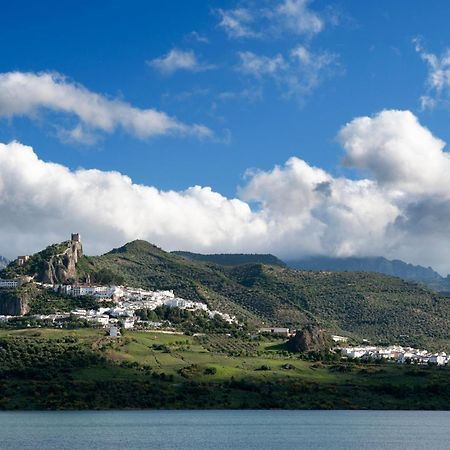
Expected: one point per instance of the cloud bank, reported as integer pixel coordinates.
(25, 94)
(398, 207)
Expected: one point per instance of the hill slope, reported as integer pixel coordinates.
(409, 272)
(233, 259)
(361, 305)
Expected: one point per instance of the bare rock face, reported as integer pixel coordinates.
(13, 303)
(310, 339)
(61, 268)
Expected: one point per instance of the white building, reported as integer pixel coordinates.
(128, 324)
(276, 330)
(11, 284)
(114, 332)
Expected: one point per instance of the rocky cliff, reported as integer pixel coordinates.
(15, 302)
(56, 264)
(61, 268)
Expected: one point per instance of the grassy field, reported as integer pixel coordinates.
(76, 369)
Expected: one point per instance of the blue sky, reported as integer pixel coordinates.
(178, 94)
(105, 45)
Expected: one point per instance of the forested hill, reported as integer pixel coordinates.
(232, 259)
(409, 272)
(364, 305)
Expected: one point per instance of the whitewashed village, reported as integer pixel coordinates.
(126, 301)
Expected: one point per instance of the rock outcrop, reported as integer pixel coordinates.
(15, 302)
(61, 268)
(310, 339)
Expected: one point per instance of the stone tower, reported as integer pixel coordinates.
(76, 237)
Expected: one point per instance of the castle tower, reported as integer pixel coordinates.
(76, 237)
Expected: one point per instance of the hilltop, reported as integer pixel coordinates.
(233, 259)
(55, 264)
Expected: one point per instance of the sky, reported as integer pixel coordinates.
(286, 126)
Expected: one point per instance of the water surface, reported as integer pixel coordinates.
(225, 430)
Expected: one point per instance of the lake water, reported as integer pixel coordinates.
(183, 430)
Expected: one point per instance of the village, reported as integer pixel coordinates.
(396, 353)
(123, 301)
(119, 308)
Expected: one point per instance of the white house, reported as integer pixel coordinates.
(128, 324)
(276, 330)
(114, 332)
(11, 284)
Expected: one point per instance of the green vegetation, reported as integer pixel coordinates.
(371, 306)
(190, 322)
(80, 369)
(37, 263)
(360, 305)
(233, 259)
(33, 299)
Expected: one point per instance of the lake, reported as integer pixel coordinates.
(183, 430)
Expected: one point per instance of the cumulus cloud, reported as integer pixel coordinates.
(25, 94)
(297, 74)
(178, 60)
(398, 207)
(272, 18)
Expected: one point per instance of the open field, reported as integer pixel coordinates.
(50, 368)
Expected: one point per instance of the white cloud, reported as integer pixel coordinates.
(399, 206)
(259, 65)
(237, 22)
(178, 60)
(25, 94)
(272, 18)
(298, 18)
(296, 75)
(438, 78)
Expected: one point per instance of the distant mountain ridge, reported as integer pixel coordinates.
(398, 268)
(233, 259)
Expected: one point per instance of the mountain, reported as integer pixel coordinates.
(409, 272)
(3, 262)
(233, 259)
(360, 305)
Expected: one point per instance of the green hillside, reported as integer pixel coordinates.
(83, 369)
(233, 259)
(363, 305)
(369, 306)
